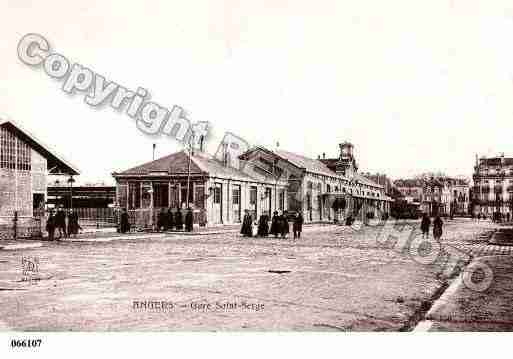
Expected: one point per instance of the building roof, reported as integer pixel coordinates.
(177, 164)
(316, 166)
(310, 165)
(362, 179)
(496, 161)
(56, 164)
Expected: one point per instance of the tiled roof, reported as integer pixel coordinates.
(314, 166)
(362, 179)
(177, 163)
(215, 168)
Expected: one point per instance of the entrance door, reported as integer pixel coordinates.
(217, 205)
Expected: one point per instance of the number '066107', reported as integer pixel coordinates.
(26, 343)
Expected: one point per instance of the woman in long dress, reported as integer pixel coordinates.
(247, 225)
(437, 227)
(263, 226)
(275, 225)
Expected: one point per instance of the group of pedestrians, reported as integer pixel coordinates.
(425, 224)
(168, 221)
(279, 225)
(65, 223)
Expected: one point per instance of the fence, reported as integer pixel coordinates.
(96, 217)
(20, 227)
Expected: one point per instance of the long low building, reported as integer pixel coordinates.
(260, 180)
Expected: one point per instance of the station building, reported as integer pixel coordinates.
(259, 180)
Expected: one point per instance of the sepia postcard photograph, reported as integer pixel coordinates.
(265, 178)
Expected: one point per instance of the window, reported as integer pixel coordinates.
(217, 195)
(328, 188)
(199, 195)
(134, 195)
(236, 195)
(161, 194)
(282, 200)
(253, 195)
(14, 153)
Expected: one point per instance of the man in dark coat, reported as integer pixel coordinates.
(298, 225)
(263, 226)
(179, 220)
(170, 221)
(124, 222)
(284, 226)
(189, 220)
(424, 225)
(71, 223)
(50, 226)
(437, 227)
(60, 223)
(275, 225)
(161, 220)
(247, 225)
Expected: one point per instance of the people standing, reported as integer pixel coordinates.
(275, 226)
(124, 222)
(247, 225)
(263, 226)
(170, 219)
(189, 220)
(50, 226)
(73, 225)
(161, 219)
(298, 225)
(60, 222)
(424, 225)
(202, 217)
(284, 225)
(179, 220)
(437, 227)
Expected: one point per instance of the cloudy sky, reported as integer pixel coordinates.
(415, 85)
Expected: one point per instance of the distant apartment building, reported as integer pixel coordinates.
(436, 195)
(493, 185)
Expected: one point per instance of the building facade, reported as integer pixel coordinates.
(260, 180)
(493, 185)
(440, 195)
(25, 165)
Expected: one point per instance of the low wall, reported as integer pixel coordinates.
(25, 227)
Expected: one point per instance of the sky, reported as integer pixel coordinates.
(416, 86)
